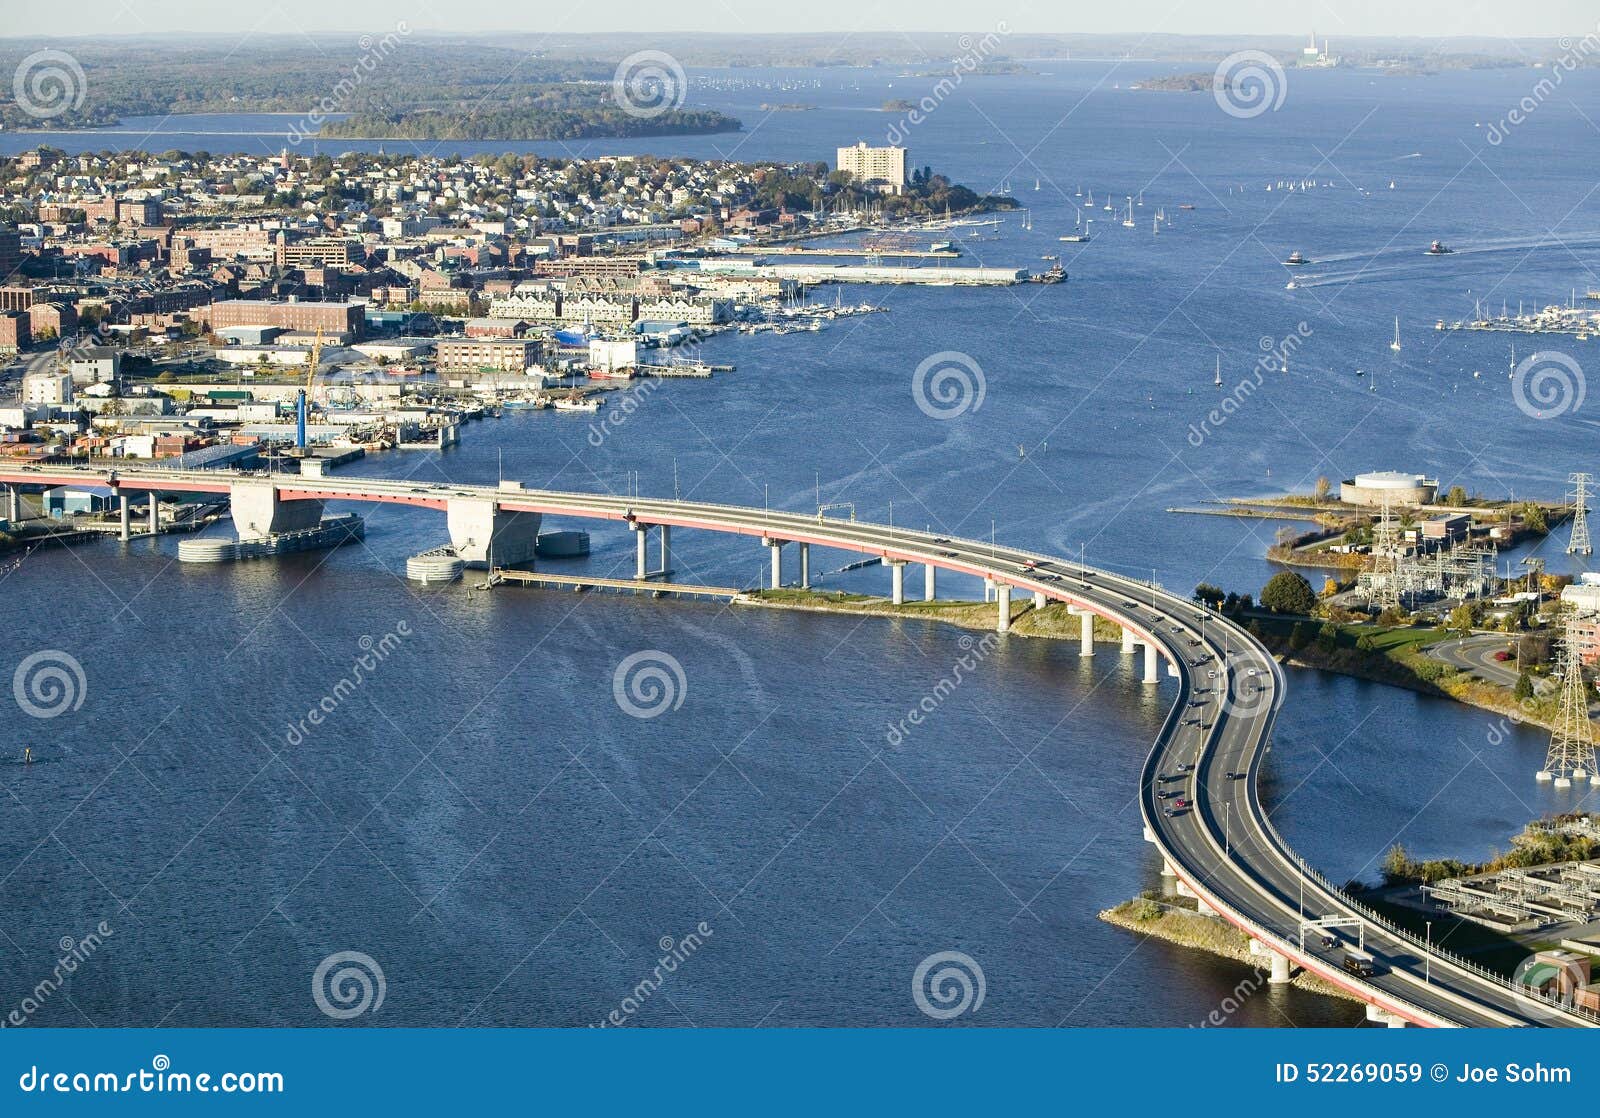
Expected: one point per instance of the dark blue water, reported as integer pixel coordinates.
(482, 819)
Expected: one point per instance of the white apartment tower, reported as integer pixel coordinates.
(881, 167)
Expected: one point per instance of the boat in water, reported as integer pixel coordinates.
(576, 405)
(1439, 248)
(1395, 345)
(1296, 258)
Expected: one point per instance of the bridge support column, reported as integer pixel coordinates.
(988, 589)
(1086, 634)
(805, 566)
(1282, 970)
(1127, 642)
(126, 529)
(928, 592)
(155, 514)
(666, 550)
(1152, 664)
(776, 547)
(13, 504)
(1383, 1017)
(480, 531)
(258, 513)
(1038, 599)
(897, 582)
(641, 551)
(1002, 596)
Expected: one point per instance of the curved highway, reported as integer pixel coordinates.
(1209, 754)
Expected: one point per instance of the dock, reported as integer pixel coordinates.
(653, 587)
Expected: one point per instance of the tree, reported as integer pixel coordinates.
(1533, 518)
(1524, 688)
(1456, 497)
(1209, 595)
(1288, 592)
(1322, 489)
(1330, 587)
(1464, 617)
(1328, 637)
(1297, 638)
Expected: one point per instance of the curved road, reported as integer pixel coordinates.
(1223, 848)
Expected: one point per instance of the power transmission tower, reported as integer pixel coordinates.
(1572, 741)
(1383, 585)
(1579, 543)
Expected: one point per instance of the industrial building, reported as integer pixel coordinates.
(1398, 488)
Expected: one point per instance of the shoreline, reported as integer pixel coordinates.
(1172, 920)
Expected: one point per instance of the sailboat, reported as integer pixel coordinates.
(1107, 207)
(1127, 222)
(1079, 192)
(1027, 220)
(1218, 380)
(1141, 197)
(1395, 345)
(1036, 184)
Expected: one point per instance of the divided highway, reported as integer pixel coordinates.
(1210, 751)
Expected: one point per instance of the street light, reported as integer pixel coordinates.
(1427, 959)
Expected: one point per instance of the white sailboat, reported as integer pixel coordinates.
(1036, 184)
(1395, 345)
(1218, 380)
(1127, 222)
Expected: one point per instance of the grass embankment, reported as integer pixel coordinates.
(1053, 621)
(1176, 920)
(1393, 656)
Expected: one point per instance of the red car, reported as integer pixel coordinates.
(1180, 803)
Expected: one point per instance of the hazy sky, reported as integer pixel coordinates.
(1333, 18)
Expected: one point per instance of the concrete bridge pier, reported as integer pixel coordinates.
(1282, 970)
(1085, 632)
(13, 504)
(481, 532)
(805, 566)
(1002, 596)
(928, 592)
(666, 550)
(126, 529)
(155, 514)
(897, 581)
(776, 547)
(1383, 1017)
(1038, 599)
(1152, 664)
(988, 589)
(258, 512)
(641, 551)
(1128, 642)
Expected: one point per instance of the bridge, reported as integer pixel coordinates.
(1223, 850)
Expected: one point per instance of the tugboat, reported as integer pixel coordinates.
(1295, 259)
(1439, 248)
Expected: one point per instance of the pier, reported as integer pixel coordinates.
(652, 587)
